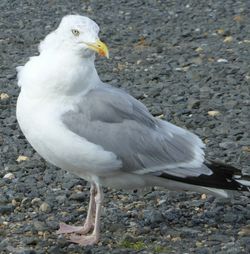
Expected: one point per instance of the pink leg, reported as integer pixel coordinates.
(94, 237)
(89, 222)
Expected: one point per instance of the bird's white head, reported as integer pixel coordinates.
(65, 65)
(78, 33)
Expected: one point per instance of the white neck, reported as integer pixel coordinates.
(58, 73)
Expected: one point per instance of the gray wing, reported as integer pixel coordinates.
(119, 123)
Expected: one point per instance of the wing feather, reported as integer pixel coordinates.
(119, 123)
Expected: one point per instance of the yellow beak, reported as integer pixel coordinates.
(99, 47)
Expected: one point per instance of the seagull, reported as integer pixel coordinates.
(101, 133)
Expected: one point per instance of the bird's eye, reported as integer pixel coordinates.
(75, 32)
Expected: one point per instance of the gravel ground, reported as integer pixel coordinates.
(188, 61)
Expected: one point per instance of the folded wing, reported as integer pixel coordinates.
(119, 123)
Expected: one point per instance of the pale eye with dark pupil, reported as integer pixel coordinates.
(75, 32)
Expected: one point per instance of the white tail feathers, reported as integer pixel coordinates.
(243, 182)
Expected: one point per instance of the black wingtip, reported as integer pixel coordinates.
(223, 177)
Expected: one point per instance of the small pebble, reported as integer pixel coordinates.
(222, 60)
(45, 207)
(9, 176)
(4, 96)
(21, 158)
(213, 113)
(6, 209)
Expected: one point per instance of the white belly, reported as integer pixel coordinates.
(41, 124)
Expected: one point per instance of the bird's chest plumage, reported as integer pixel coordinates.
(41, 124)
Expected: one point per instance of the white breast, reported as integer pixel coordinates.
(41, 125)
